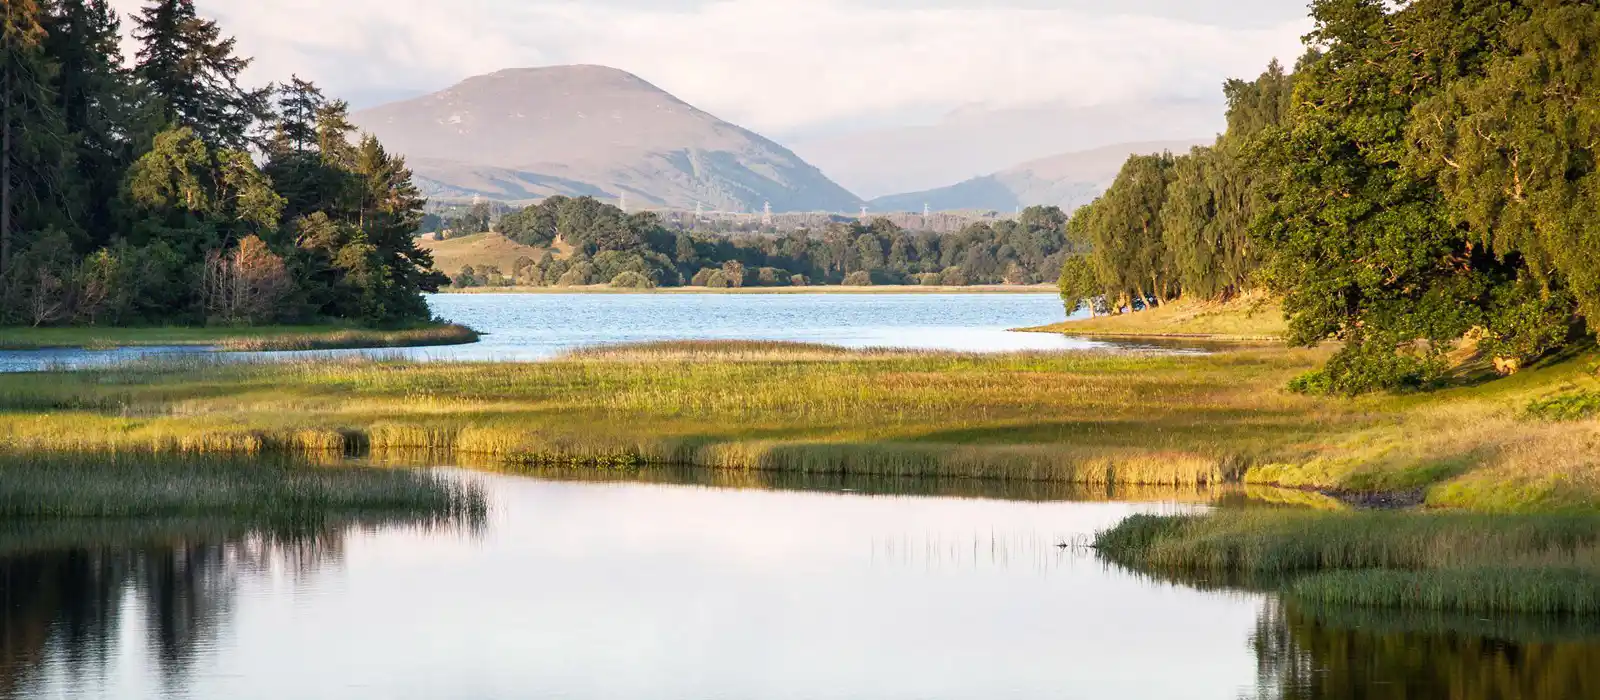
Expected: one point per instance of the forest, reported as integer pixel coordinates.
(159, 190)
(613, 247)
(1423, 184)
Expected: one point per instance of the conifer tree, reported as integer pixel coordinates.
(186, 63)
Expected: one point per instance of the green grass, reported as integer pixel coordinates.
(230, 338)
(1088, 418)
(1483, 591)
(99, 486)
(1425, 561)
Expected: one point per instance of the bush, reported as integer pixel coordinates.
(928, 279)
(717, 280)
(859, 278)
(799, 281)
(581, 274)
(632, 280)
(953, 277)
(771, 277)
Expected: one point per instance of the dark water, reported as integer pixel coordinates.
(526, 327)
(667, 590)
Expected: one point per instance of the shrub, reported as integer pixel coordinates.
(632, 280)
(579, 275)
(799, 281)
(928, 279)
(859, 278)
(717, 280)
(771, 277)
(953, 277)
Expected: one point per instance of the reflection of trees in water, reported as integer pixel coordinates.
(62, 610)
(1382, 655)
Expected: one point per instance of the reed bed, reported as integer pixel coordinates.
(1424, 561)
(354, 338)
(1068, 417)
(1481, 591)
(1302, 541)
(278, 490)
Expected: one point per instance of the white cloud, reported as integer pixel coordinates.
(774, 65)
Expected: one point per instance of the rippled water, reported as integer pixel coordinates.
(523, 327)
(666, 591)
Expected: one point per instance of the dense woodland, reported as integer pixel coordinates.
(160, 190)
(610, 246)
(1425, 181)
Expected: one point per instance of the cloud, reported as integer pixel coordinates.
(775, 65)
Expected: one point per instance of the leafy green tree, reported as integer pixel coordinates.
(1363, 247)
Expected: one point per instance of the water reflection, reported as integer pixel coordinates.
(71, 593)
(1382, 655)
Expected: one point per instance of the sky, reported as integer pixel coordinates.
(782, 67)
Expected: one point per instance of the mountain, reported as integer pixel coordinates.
(525, 134)
(1069, 181)
(975, 141)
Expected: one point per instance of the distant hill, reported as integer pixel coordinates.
(976, 141)
(525, 134)
(480, 250)
(1069, 181)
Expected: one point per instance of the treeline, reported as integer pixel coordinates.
(1427, 180)
(165, 192)
(610, 246)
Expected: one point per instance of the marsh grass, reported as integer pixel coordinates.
(279, 490)
(1303, 541)
(258, 338)
(1430, 561)
(1088, 418)
(1479, 590)
(354, 338)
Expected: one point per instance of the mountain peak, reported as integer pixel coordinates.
(527, 133)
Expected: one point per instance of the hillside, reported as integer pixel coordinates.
(1069, 181)
(479, 250)
(525, 134)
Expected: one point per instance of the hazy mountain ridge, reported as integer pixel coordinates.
(1069, 180)
(589, 130)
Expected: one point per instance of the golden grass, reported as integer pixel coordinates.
(428, 336)
(480, 250)
(1250, 318)
(1087, 418)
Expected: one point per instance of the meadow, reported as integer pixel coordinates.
(1085, 418)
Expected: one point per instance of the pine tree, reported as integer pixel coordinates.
(92, 91)
(187, 64)
(33, 153)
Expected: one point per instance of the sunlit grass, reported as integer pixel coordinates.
(1067, 417)
(261, 338)
(238, 488)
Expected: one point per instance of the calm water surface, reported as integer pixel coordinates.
(665, 591)
(526, 327)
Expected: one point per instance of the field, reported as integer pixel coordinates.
(1063, 417)
(1249, 319)
(480, 250)
(253, 339)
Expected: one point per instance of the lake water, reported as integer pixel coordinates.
(528, 327)
(666, 591)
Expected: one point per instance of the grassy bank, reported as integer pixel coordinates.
(1436, 561)
(254, 490)
(265, 338)
(1072, 417)
(814, 289)
(1255, 319)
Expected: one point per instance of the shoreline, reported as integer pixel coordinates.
(818, 289)
(257, 339)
